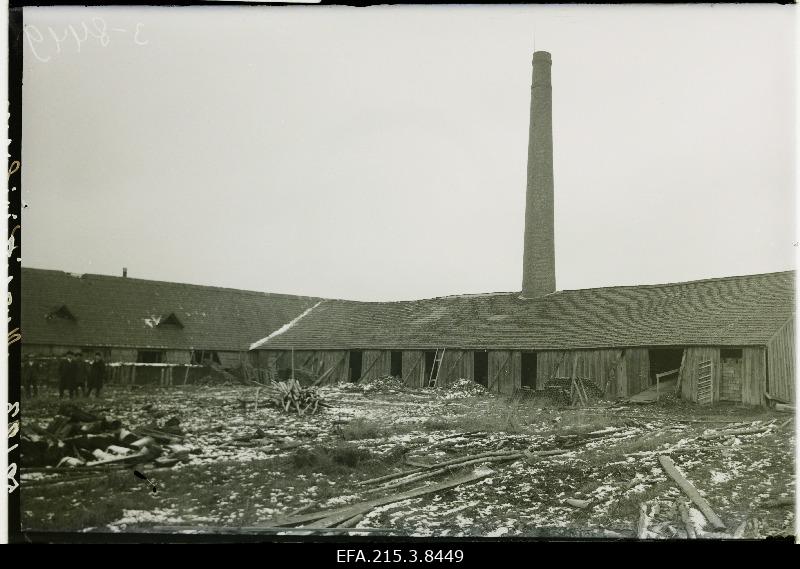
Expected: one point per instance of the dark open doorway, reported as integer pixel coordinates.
(529, 370)
(356, 359)
(396, 364)
(664, 359)
(480, 366)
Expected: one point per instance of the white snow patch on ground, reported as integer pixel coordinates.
(698, 519)
(719, 477)
(498, 532)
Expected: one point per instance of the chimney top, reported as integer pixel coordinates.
(542, 56)
(124, 271)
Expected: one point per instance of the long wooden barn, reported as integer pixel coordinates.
(140, 321)
(741, 328)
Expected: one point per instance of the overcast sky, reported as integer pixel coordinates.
(380, 153)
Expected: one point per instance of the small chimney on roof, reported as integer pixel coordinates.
(539, 257)
(124, 272)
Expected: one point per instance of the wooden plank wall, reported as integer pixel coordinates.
(781, 362)
(505, 371)
(336, 364)
(688, 375)
(606, 367)
(455, 365)
(637, 369)
(312, 362)
(375, 364)
(414, 368)
(547, 366)
(754, 376)
(227, 359)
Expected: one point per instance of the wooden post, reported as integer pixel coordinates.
(658, 384)
(292, 363)
(133, 374)
(186, 375)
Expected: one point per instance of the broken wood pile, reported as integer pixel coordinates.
(291, 396)
(76, 438)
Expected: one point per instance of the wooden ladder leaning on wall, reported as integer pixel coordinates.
(705, 385)
(437, 366)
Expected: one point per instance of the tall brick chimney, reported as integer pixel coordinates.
(539, 258)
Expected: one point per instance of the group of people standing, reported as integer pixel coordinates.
(73, 375)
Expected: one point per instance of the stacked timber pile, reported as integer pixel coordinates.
(292, 397)
(76, 438)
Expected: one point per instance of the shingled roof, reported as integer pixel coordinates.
(732, 311)
(126, 312)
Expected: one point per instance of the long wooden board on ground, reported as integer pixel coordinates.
(331, 518)
(691, 492)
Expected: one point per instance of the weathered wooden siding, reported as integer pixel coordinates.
(548, 364)
(468, 365)
(637, 369)
(455, 365)
(414, 368)
(335, 366)
(375, 364)
(781, 362)
(505, 371)
(606, 367)
(688, 375)
(754, 376)
(332, 364)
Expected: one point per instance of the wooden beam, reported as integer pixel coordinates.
(333, 517)
(691, 492)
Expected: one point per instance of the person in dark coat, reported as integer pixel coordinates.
(31, 376)
(97, 375)
(68, 376)
(81, 374)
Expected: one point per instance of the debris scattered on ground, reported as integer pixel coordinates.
(386, 383)
(463, 388)
(332, 518)
(779, 502)
(603, 456)
(753, 430)
(76, 438)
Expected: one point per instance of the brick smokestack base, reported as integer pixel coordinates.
(539, 258)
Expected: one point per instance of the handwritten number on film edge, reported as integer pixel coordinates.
(13, 336)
